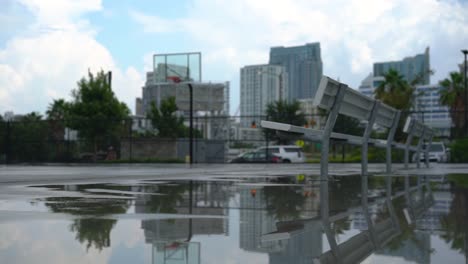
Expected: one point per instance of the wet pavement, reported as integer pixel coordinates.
(233, 214)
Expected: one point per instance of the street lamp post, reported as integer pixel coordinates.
(465, 52)
(191, 123)
(177, 79)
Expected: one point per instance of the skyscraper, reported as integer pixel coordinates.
(304, 67)
(412, 68)
(259, 86)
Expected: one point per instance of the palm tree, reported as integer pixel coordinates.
(57, 110)
(453, 96)
(396, 92)
(284, 112)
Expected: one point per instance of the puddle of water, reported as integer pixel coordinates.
(258, 220)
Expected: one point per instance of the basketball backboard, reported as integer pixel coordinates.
(176, 253)
(186, 66)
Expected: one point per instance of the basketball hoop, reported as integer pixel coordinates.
(174, 79)
(174, 245)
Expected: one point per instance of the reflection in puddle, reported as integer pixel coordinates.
(257, 220)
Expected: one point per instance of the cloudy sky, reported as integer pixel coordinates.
(47, 45)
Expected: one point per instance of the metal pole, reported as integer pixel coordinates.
(280, 79)
(109, 76)
(7, 142)
(191, 123)
(131, 139)
(465, 52)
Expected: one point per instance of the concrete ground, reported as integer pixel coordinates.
(31, 175)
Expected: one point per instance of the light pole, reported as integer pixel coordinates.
(465, 52)
(191, 124)
(177, 79)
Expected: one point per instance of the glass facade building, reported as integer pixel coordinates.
(259, 86)
(411, 68)
(304, 67)
(430, 111)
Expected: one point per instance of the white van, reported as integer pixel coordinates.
(289, 153)
(437, 153)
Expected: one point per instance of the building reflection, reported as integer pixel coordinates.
(380, 220)
(272, 221)
(171, 238)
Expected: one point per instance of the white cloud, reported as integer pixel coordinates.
(40, 66)
(60, 13)
(353, 34)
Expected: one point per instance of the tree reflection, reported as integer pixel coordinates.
(172, 195)
(284, 202)
(90, 225)
(454, 223)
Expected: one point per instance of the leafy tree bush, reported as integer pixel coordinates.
(459, 150)
(165, 120)
(396, 92)
(283, 112)
(95, 111)
(453, 96)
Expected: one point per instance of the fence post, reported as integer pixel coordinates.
(7, 142)
(131, 140)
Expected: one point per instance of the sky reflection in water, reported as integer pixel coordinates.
(279, 220)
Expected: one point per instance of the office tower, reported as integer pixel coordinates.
(259, 86)
(430, 111)
(304, 67)
(416, 68)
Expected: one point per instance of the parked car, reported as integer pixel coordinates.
(289, 154)
(437, 153)
(256, 157)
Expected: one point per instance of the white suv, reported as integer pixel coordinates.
(289, 153)
(437, 152)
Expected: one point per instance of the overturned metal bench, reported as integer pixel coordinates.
(337, 98)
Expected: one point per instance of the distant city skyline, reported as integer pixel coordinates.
(47, 46)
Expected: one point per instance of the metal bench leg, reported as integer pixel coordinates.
(408, 143)
(332, 116)
(365, 138)
(418, 152)
(390, 137)
(426, 151)
(324, 212)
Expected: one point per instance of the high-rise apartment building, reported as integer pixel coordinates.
(411, 68)
(304, 67)
(259, 86)
(430, 111)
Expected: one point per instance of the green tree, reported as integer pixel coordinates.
(28, 138)
(56, 117)
(165, 119)
(283, 112)
(453, 96)
(95, 111)
(396, 92)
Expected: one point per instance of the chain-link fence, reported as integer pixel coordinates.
(216, 139)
